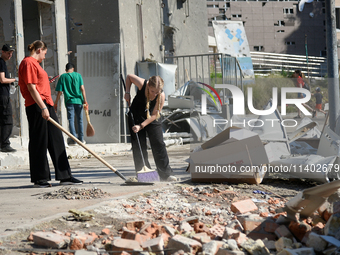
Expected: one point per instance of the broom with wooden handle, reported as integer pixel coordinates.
(86, 148)
(146, 174)
(89, 128)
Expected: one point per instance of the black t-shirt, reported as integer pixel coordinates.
(139, 104)
(318, 97)
(4, 88)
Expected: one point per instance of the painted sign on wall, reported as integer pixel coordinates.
(231, 39)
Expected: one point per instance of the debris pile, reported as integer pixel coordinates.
(214, 219)
(72, 193)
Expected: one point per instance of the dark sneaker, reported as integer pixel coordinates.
(8, 148)
(42, 184)
(314, 114)
(71, 181)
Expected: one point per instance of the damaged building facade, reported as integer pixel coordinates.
(103, 39)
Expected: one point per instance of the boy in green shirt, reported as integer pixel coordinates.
(71, 84)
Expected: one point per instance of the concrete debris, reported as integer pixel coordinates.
(234, 155)
(171, 224)
(308, 201)
(72, 193)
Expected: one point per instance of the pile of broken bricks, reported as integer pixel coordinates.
(249, 229)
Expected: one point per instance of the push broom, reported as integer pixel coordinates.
(89, 128)
(145, 174)
(86, 148)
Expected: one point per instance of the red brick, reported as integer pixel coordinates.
(299, 230)
(238, 236)
(251, 222)
(198, 236)
(141, 238)
(76, 244)
(105, 231)
(30, 237)
(264, 214)
(200, 227)
(125, 244)
(133, 225)
(50, 240)
(270, 226)
(85, 238)
(243, 206)
(216, 231)
(152, 230)
(155, 244)
(326, 215)
(128, 234)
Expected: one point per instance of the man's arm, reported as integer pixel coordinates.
(3, 79)
(82, 88)
(57, 100)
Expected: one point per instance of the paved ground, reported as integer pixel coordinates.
(20, 204)
(19, 201)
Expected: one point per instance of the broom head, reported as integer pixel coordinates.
(147, 175)
(89, 129)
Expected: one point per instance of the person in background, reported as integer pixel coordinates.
(72, 85)
(300, 84)
(6, 119)
(318, 98)
(43, 135)
(146, 108)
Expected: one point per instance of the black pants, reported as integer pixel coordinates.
(43, 136)
(160, 155)
(6, 120)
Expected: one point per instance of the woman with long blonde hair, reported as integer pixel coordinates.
(146, 108)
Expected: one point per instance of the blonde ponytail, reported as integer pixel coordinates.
(147, 105)
(158, 83)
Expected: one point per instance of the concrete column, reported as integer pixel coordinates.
(20, 52)
(332, 64)
(61, 32)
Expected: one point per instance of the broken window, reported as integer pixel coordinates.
(258, 48)
(337, 18)
(288, 10)
(323, 53)
(280, 23)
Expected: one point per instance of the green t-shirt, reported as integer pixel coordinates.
(69, 84)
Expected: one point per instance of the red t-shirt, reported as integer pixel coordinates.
(30, 72)
(300, 81)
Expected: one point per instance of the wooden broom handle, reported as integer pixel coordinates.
(81, 144)
(87, 116)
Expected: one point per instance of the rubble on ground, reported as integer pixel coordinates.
(72, 193)
(204, 219)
